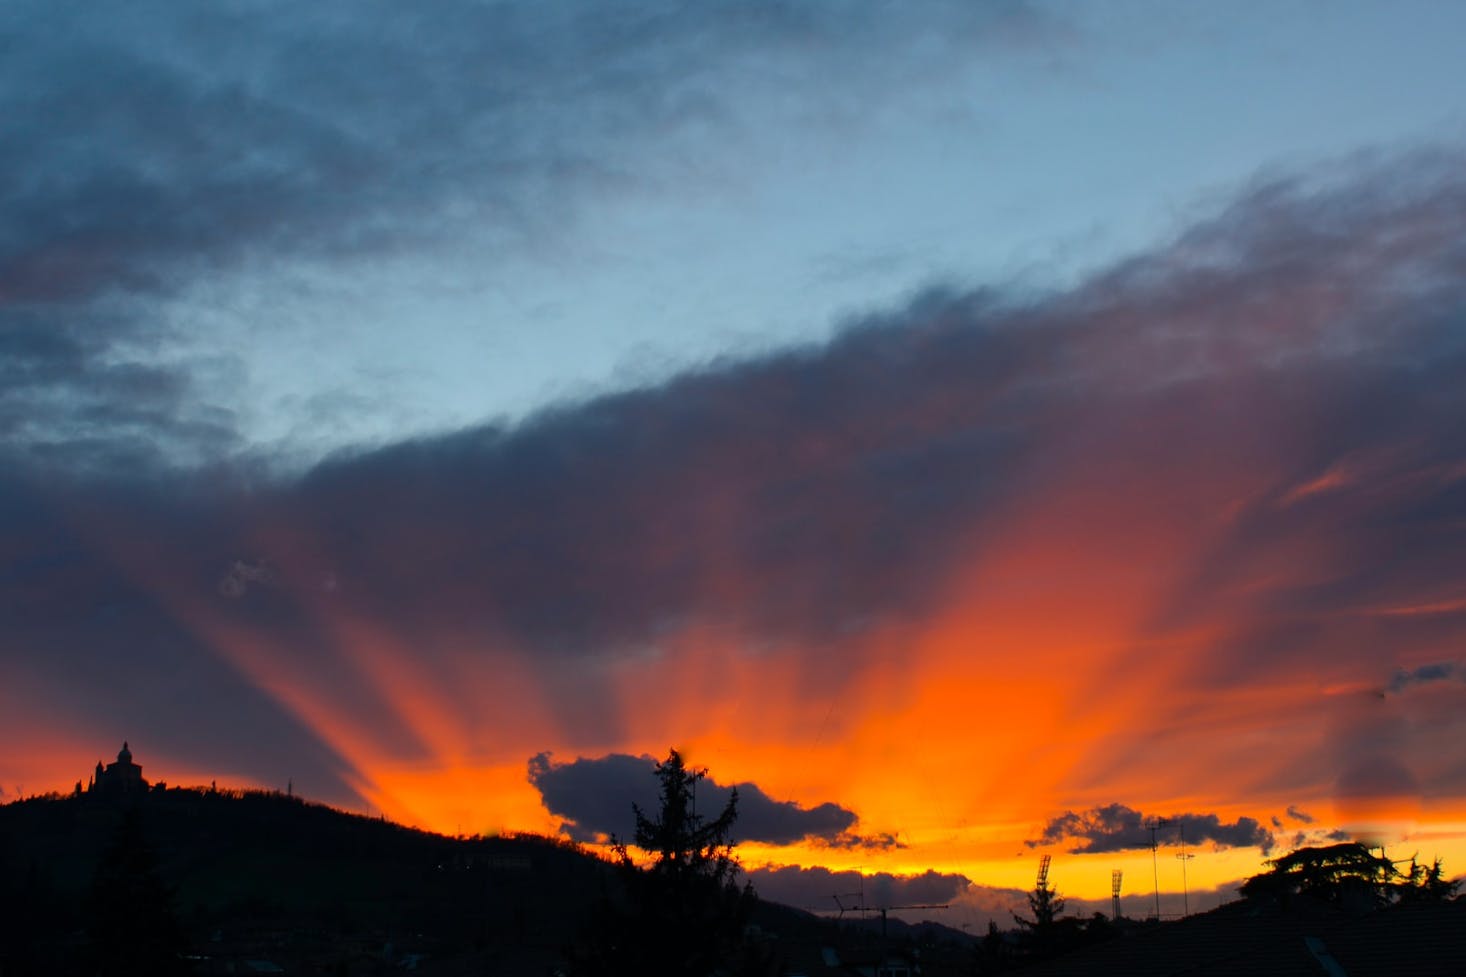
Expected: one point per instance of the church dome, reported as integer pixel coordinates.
(125, 755)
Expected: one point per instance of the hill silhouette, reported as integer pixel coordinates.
(256, 875)
(262, 882)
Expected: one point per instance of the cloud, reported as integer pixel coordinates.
(884, 841)
(816, 888)
(1429, 674)
(1116, 827)
(1298, 814)
(242, 575)
(841, 485)
(80, 393)
(1303, 839)
(596, 796)
(156, 152)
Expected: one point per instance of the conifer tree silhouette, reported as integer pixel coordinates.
(1045, 903)
(682, 914)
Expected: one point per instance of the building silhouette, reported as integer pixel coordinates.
(120, 778)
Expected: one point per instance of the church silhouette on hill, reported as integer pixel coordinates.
(120, 778)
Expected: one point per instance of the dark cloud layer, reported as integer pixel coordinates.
(595, 796)
(817, 888)
(1308, 336)
(1116, 827)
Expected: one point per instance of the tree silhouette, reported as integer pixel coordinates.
(1424, 884)
(688, 849)
(1337, 873)
(1045, 903)
(682, 914)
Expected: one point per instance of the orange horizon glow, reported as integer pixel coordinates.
(954, 753)
(1105, 633)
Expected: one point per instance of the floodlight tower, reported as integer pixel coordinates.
(1043, 872)
(1154, 825)
(1115, 877)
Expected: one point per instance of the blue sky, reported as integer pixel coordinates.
(367, 222)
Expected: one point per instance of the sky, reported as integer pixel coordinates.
(970, 429)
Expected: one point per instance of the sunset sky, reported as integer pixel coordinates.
(969, 428)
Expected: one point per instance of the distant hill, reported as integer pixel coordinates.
(263, 875)
(266, 883)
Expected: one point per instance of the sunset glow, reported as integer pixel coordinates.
(961, 482)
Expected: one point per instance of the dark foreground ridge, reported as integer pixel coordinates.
(121, 874)
(125, 878)
(1307, 938)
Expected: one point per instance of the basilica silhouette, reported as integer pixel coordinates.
(120, 778)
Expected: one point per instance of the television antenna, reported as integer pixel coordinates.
(863, 909)
(1153, 825)
(1184, 857)
(857, 902)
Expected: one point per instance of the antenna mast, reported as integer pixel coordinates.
(865, 910)
(1154, 825)
(1184, 857)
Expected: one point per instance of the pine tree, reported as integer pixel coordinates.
(682, 913)
(1045, 903)
(688, 851)
(1424, 884)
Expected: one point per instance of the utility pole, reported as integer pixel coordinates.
(1184, 857)
(1154, 825)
